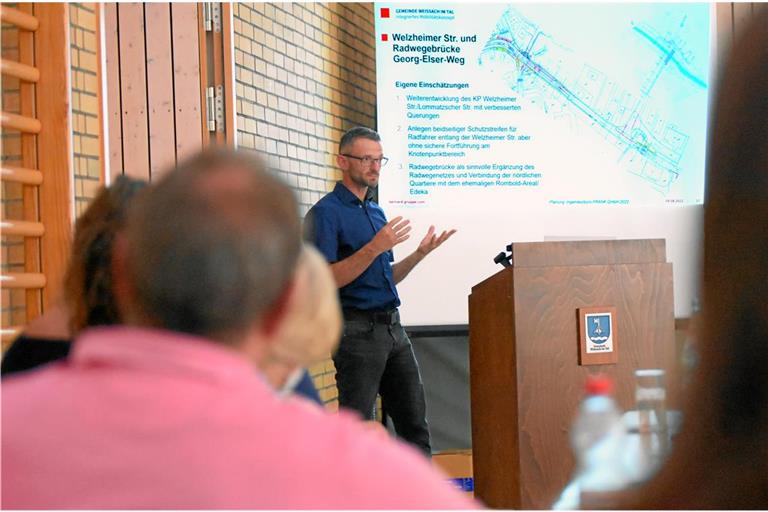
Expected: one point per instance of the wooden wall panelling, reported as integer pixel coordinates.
(54, 143)
(32, 262)
(133, 90)
(114, 112)
(186, 70)
(202, 36)
(217, 65)
(162, 140)
(218, 71)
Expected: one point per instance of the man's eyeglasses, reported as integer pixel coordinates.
(367, 160)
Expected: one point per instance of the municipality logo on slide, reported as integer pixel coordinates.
(422, 12)
(599, 332)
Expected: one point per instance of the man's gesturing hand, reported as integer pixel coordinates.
(431, 241)
(395, 232)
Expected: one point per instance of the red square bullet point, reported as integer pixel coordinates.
(385, 12)
(384, 37)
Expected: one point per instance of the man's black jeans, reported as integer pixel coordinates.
(377, 357)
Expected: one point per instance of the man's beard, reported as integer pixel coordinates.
(363, 182)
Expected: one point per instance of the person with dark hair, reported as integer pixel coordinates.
(88, 298)
(720, 457)
(375, 355)
(88, 295)
(166, 410)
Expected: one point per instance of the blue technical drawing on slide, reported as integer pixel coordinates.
(625, 110)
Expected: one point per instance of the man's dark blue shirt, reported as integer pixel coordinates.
(340, 225)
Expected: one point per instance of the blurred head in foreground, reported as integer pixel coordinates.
(720, 458)
(211, 250)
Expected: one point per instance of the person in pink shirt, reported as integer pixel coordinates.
(168, 411)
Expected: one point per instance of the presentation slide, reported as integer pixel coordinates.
(532, 122)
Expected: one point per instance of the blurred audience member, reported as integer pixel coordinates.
(88, 298)
(167, 410)
(88, 295)
(312, 325)
(720, 458)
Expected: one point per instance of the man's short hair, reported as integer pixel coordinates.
(212, 245)
(355, 133)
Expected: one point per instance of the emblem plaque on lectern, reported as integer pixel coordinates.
(597, 336)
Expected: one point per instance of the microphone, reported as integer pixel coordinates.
(503, 259)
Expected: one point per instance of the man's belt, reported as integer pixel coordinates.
(390, 317)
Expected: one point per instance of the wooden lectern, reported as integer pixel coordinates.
(525, 376)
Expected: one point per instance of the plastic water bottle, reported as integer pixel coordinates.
(650, 397)
(598, 437)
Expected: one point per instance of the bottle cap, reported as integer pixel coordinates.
(651, 372)
(599, 385)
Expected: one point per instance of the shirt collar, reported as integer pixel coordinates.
(346, 195)
(162, 351)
